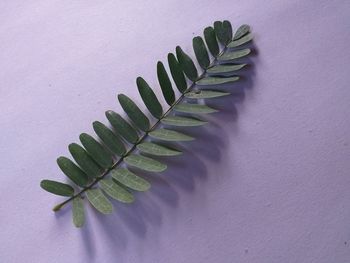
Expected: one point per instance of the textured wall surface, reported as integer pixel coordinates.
(266, 182)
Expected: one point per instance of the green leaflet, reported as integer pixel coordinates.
(78, 212)
(222, 69)
(129, 179)
(177, 73)
(210, 39)
(241, 31)
(109, 138)
(227, 28)
(89, 166)
(182, 121)
(156, 149)
(187, 64)
(220, 32)
(241, 41)
(215, 80)
(165, 84)
(72, 171)
(149, 98)
(134, 112)
(194, 108)
(170, 135)
(122, 127)
(234, 55)
(96, 151)
(145, 163)
(99, 201)
(205, 94)
(115, 191)
(201, 52)
(57, 188)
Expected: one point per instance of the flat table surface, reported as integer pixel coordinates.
(267, 181)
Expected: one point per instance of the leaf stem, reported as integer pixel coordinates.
(141, 139)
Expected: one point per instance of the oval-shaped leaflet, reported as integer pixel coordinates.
(78, 212)
(224, 69)
(145, 163)
(122, 127)
(149, 98)
(220, 32)
(182, 121)
(215, 80)
(241, 41)
(99, 201)
(241, 31)
(165, 84)
(134, 112)
(210, 39)
(72, 171)
(201, 52)
(170, 135)
(177, 73)
(194, 108)
(109, 138)
(205, 94)
(234, 55)
(129, 179)
(96, 151)
(83, 159)
(57, 188)
(227, 27)
(186, 64)
(156, 149)
(115, 191)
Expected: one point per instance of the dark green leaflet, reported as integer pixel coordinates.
(156, 149)
(134, 112)
(201, 52)
(227, 28)
(96, 151)
(72, 171)
(177, 73)
(129, 179)
(165, 84)
(182, 121)
(187, 64)
(223, 69)
(57, 188)
(115, 191)
(241, 31)
(241, 41)
(215, 80)
(170, 135)
(210, 39)
(205, 94)
(220, 32)
(99, 201)
(145, 163)
(122, 127)
(89, 166)
(109, 138)
(194, 108)
(78, 212)
(234, 55)
(149, 98)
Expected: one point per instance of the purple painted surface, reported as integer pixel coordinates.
(266, 182)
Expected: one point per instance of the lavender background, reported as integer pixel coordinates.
(267, 181)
